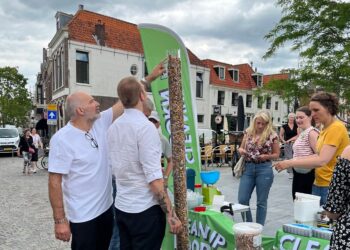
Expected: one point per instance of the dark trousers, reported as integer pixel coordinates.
(143, 230)
(302, 183)
(94, 234)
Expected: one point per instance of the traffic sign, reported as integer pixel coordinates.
(52, 114)
(52, 106)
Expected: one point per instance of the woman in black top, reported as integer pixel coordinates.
(25, 143)
(288, 134)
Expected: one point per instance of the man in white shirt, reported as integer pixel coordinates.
(142, 204)
(80, 188)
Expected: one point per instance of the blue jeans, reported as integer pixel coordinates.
(259, 176)
(320, 191)
(115, 240)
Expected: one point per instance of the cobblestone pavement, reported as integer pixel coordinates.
(25, 211)
(26, 216)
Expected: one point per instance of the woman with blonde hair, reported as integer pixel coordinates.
(259, 146)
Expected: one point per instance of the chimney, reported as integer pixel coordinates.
(251, 64)
(256, 69)
(100, 34)
(81, 7)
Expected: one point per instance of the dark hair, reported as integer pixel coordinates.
(307, 112)
(129, 90)
(328, 101)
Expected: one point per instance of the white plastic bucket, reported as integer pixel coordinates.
(306, 207)
(247, 235)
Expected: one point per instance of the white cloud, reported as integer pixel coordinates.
(230, 31)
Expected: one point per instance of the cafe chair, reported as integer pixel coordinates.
(207, 155)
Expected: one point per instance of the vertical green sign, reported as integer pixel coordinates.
(158, 41)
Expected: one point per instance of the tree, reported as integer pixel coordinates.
(320, 31)
(15, 100)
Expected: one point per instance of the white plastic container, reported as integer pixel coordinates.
(248, 235)
(306, 207)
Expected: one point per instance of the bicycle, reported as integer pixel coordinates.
(44, 159)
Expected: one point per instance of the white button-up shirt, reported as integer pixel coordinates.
(134, 153)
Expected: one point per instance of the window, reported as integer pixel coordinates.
(276, 105)
(234, 101)
(259, 81)
(200, 118)
(221, 97)
(220, 71)
(268, 102)
(231, 122)
(82, 67)
(133, 69)
(55, 80)
(62, 67)
(260, 102)
(199, 85)
(258, 78)
(248, 102)
(234, 73)
(248, 121)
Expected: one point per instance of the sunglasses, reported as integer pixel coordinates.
(92, 140)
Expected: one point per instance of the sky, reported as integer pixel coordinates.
(229, 31)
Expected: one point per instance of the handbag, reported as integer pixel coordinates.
(239, 167)
(31, 150)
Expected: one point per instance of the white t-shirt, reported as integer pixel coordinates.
(135, 152)
(87, 178)
(36, 140)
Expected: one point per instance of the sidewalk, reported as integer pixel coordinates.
(280, 203)
(26, 216)
(25, 211)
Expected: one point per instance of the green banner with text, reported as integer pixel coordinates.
(288, 241)
(158, 41)
(211, 230)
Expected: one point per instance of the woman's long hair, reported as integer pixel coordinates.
(266, 117)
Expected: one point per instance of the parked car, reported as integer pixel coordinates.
(9, 139)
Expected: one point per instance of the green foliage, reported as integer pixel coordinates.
(15, 100)
(320, 31)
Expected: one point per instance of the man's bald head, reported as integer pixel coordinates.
(76, 100)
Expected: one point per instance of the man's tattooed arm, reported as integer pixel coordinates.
(161, 194)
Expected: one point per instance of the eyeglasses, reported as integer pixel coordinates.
(93, 141)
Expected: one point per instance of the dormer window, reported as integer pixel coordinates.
(258, 78)
(220, 71)
(234, 73)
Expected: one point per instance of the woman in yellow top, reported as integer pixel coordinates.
(330, 144)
